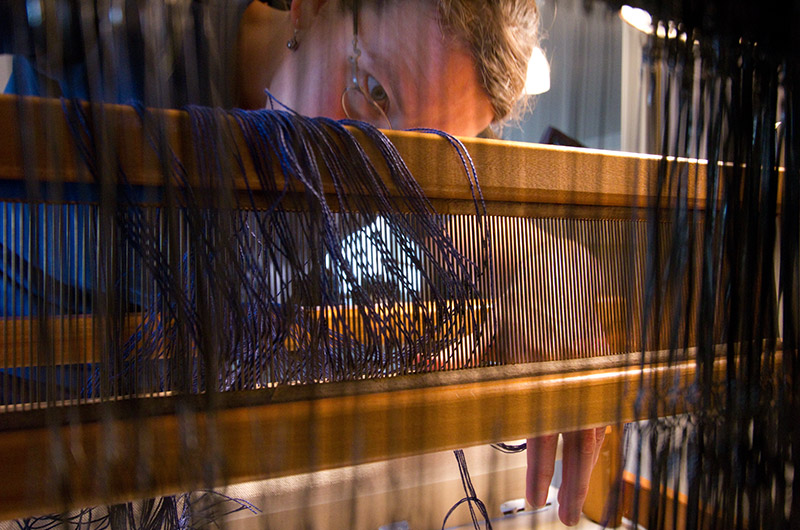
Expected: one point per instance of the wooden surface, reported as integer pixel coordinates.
(105, 461)
(604, 500)
(510, 173)
(673, 507)
(58, 341)
(636, 500)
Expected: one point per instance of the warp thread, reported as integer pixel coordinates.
(254, 286)
(471, 497)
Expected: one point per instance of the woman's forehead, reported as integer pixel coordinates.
(432, 78)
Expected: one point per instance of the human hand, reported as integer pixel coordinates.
(580, 452)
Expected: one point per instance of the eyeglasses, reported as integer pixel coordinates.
(356, 102)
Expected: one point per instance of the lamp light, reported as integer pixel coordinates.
(638, 18)
(537, 80)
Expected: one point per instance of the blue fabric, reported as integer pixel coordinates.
(42, 270)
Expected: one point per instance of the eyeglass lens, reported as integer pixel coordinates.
(358, 106)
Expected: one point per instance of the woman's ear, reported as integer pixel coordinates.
(303, 12)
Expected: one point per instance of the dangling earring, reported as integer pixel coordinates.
(293, 43)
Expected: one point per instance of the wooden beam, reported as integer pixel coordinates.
(510, 173)
(115, 460)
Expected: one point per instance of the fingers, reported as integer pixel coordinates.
(541, 453)
(581, 450)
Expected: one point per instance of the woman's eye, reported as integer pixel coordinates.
(377, 93)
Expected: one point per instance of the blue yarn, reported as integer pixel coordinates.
(274, 281)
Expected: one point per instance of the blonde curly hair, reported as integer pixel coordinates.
(500, 35)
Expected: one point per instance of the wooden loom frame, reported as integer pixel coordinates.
(293, 431)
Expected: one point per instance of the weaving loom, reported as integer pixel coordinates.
(233, 324)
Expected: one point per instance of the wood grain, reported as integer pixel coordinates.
(509, 172)
(107, 461)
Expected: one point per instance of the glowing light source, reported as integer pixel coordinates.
(638, 18)
(643, 21)
(538, 79)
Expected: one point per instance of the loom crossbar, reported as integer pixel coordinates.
(286, 438)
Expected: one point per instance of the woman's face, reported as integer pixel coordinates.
(418, 77)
